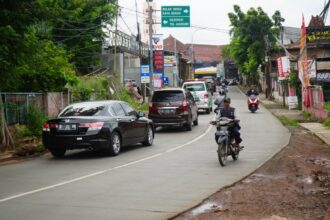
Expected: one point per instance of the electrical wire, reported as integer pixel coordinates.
(126, 25)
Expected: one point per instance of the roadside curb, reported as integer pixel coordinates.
(318, 130)
(8, 159)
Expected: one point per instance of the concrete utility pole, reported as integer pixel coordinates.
(150, 11)
(192, 53)
(115, 52)
(175, 79)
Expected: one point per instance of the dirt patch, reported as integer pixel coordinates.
(295, 184)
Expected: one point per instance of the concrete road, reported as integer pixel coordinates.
(176, 173)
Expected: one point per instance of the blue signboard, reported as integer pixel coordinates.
(145, 74)
(165, 81)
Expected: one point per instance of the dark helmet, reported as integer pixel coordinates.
(227, 100)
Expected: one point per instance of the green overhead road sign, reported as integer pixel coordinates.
(176, 22)
(175, 16)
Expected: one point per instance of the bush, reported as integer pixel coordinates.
(307, 116)
(327, 123)
(91, 88)
(327, 106)
(21, 131)
(35, 120)
(124, 96)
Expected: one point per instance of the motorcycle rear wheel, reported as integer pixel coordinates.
(222, 154)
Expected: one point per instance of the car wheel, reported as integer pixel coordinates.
(115, 144)
(208, 111)
(58, 152)
(196, 121)
(150, 137)
(188, 125)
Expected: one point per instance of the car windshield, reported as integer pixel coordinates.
(83, 109)
(168, 96)
(195, 87)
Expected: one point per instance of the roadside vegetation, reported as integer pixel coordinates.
(327, 123)
(46, 44)
(327, 106)
(27, 137)
(288, 121)
(253, 34)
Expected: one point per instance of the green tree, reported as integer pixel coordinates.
(253, 33)
(46, 68)
(44, 42)
(79, 26)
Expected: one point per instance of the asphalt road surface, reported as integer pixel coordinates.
(176, 173)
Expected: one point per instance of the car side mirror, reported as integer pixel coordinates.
(141, 114)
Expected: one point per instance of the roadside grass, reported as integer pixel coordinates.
(327, 106)
(307, 116)
(273, 106)
(326, 123)
(287, 121)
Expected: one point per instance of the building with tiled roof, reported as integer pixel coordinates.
(203, 53)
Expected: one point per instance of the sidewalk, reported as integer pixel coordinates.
(316, 128)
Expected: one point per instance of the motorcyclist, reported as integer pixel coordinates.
(229, 112)
(252, 91)
(219, 102)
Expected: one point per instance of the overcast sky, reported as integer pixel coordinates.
(214, 14)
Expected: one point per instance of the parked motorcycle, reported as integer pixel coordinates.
(225, 140)
(253, 103)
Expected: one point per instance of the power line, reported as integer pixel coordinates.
(126, 25)
(79, 29)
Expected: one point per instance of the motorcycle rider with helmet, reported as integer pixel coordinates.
(252, 91)
(229, 112)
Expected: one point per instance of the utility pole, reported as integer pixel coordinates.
(115, 52)
(150, 11)
(176, 65)
(269, 69)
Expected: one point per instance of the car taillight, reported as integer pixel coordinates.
(184, 106)
(46, 127)
(92, 126)
(152, 108)
(206, 95)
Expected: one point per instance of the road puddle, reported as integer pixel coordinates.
(206, 207)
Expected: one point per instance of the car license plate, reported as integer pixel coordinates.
(67, 127)
(167, 111)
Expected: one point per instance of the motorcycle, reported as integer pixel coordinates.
(225, 140)
(253, 103)
(223, 89)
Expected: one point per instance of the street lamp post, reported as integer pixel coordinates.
(192, 52)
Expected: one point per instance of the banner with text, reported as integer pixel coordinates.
(158, 61)
(283, 64)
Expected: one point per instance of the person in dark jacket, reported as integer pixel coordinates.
(229, 112)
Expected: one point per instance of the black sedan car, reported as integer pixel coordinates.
(106, 125)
